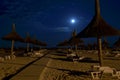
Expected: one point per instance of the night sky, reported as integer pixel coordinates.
(49, 20)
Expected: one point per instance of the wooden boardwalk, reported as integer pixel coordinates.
(33, 71)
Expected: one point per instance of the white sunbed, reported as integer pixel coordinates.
(104, 70)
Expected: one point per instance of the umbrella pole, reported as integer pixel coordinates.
(27, 47)
(76, 49)
(12, 47)
(100, 51)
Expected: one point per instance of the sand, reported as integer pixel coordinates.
(8, 67)
(55, 66)
(61, 69)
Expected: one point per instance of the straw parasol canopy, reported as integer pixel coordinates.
(98, 28)
(75, 41)
(13, 36)
(28, 40)
(41, 43)
(38, 42)
(34, 42)
(64, 43)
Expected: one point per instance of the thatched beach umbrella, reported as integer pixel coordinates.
(75, 41)
(28, 40)
(13, 36)
(41, 43)
(64, 43)
(34, 42)
(98, 28)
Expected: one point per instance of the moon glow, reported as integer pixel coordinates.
(72, 21)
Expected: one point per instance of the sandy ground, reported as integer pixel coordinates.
(56, 66)
(33, 71)
(8, 67)
(61, 69)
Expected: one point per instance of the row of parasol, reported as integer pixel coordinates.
(73, 41)
(98, 28)
(77, 42)
(14, 36)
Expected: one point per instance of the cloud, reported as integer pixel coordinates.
(62, 29)
(55, 29)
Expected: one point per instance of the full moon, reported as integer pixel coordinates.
(72, 21)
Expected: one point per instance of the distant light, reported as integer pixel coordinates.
(72, 21)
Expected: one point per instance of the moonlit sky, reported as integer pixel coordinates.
(50, 20)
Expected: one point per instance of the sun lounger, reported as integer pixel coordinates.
(71, 55)
(116, 73)
(78, 58)
(106, 69)
(81, 57)
(96, 75)
(95, 68)
(75, 58)
(103, 70)
(7, 57)
(117, 55)
(12, 56)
